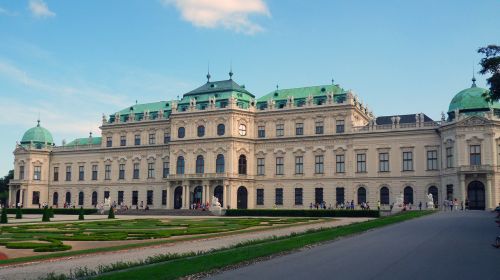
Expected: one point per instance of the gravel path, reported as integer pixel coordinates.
(40, 269)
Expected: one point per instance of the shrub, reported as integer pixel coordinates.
(19, 213)
(59, 211)
(111, 214)
(302, 213)
(3, 218)
(80, 216)
(46, 214)
(51, 212)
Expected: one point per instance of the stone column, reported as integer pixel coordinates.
(488, 197)
(225, 200)
(9, 202)
(21, 198)
(169, 197)
(463, 194)
(185, 197)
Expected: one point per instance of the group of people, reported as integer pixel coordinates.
(454, 204)
(200, 205)
(340, 205)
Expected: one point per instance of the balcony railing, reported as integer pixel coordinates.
(477, 168)
(208, 176)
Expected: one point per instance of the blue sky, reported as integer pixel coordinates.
(72, 61)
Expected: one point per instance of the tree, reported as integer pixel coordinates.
(80, 215)
(491, 65)
(4, 186)
(19, 213)
(46, 214)
(111, 214)
(51, 212)
(3, 218)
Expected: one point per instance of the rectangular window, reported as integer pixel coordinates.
(21, 172)
(151, 170)
(280, 130)
(109, 141)
(475, 154)
(35, 198)
(299, 165)
(81, 173)
(261, 131)
(56, 174)
(339, 194)
(279, 196)
(298, 196)
(340, 126)
(318, 195)
(166, 138)
(68, 173)
(260, 196)
(299, 129)
(166, 169)
(340, 163)
(123, 140)
(319, 127)
(361, 162)
(261, 166)
(107, 172)
(432, 160)
(94, 172)
(121, 171)
(449, 157)
(383, 162)
(137, 139)
(152, 139)
(319, 164)
(280, 168)
(149, 197)
(135, 197)
(163, 197)
(120, 197)
(407, 161)
(136, 171)
(37, 173)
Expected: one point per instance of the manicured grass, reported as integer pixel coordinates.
(190, 265)
(50, 237)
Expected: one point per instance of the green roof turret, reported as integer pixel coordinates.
(471, 100)
(37, 135)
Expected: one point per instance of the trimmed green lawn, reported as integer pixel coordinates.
(46, 237)
(190, 265)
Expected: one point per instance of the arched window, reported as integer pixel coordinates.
(180, 165)
(242, 165)
(201, 131)
(200, 164)
(181, 132)
(408, 195)
(361, 195)
(94, 198)
(55, 198)
(219, 164)
(68, 197)
(221, 129)
(384, 195)
(80, 198)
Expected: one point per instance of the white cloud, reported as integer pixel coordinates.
(229, 14)
(6, 12)
(40, 9)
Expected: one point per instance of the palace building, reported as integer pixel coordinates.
(286, 149)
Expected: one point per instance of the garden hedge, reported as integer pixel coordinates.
(60, 211)
(302, 213)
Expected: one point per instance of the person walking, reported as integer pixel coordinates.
(420, 205)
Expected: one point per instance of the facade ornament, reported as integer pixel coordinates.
(443, 117)
(131, 117)
(174, 106)
(146, 115)
(309, 100)
(104, 119)
(160, 114)
(329, 98)
(457, 114)
(290, 101)
(270, 103)
(192, 103)
(211, 102)
(117, 118)
(252, 102)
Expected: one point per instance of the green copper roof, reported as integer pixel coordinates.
(219, 86)
(471, 99)
(85, 141)
(138, 110)
(37, 135)
(300, 94)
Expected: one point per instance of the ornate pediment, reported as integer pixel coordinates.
(473, 121)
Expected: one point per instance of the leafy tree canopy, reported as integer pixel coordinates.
(491, 65)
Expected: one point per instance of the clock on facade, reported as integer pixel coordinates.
(243, 130)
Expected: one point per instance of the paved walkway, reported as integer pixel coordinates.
(36, 270)
(442, 246)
